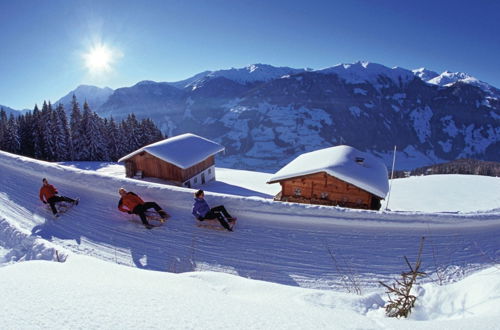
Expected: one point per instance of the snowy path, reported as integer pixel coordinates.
(268, 244)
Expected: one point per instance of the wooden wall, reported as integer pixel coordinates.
(152, 166)
(321, 188)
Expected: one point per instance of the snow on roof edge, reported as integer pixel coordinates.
(179, 139)
(339, 162)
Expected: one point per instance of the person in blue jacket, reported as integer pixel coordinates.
(202, 211)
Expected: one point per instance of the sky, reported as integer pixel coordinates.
(48, 48)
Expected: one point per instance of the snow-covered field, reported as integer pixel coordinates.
(320, 253)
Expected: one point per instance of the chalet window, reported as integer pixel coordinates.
(209, 171)
(324, 195)
(298, 192)
(195, 181)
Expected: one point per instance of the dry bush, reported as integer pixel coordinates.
(401, 301)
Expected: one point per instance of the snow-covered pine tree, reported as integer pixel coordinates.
(3, 128)
(37, 133)
(132, 131)
(49, 152)
(11, 142)
(114, 139)
(149, 132)
(26, 134)
(76, 130)
(95, 147)
(61, 134)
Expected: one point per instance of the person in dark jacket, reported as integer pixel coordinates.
(131, 203)
(48, 194)
(202, 211)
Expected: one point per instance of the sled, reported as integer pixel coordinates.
(62, 207)
(214, 224)
(154, 216)
(151, 216)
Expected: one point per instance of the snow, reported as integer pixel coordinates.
(425, 74)
(361, 72)
(183, 150)
(464, 193)
(169, 281)
(249, 74)
(340, 162)
(421, 118)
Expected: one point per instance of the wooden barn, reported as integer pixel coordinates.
(186, 160)
(339, 175)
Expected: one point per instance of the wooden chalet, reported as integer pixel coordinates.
(341, 175)
(186, 160)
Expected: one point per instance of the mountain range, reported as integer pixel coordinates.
(265, 115)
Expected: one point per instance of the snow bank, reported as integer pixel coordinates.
(81, 294)
(19, 245)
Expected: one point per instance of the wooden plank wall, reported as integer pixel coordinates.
(193, 170)
(152, 166)
(337, 192)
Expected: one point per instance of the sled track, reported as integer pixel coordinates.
(293, 244)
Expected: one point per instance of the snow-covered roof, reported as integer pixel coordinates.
(184, 150)
(340, 162)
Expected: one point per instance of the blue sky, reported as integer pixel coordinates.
(42, 43)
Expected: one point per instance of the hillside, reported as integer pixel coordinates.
(277, 242)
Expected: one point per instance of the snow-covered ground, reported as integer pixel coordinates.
(320, 253)
(445, 193)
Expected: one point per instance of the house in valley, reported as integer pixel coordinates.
(340, 175)
(186, 160)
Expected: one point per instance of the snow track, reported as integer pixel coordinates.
(311, 246)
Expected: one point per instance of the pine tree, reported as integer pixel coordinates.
(37, 133)
(11, 140)
(94, 146)
(3, 128)
(61, 134)
(114, 139)
(76, 130)
(26, 134)
(48, 132)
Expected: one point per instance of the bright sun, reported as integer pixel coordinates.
(98, 59)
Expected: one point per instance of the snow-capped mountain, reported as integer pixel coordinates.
(265, 116)
(95, 96)
(267, 120)
(448, 78)
(249, 74)
(425, 74)
(361, 72)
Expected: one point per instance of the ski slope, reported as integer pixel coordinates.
(299, 245)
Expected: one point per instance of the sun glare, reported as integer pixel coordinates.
(98, 59)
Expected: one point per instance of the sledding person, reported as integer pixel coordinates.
(202, 211)
(48, 194)
(131, 203)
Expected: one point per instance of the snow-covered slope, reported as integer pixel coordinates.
(87, 293)
(425, 74)
(249, 74)
(448, 78)
(274, 241)
(445, 193)
(362, 72)
(299, 245)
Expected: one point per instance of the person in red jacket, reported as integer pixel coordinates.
(131, 203)
(48, 194)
